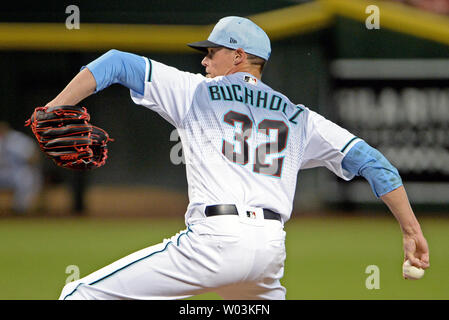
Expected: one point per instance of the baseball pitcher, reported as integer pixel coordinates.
(244, 144)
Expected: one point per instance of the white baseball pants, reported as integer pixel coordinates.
(234, 256)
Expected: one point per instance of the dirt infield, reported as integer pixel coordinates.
(136, 201)
(107, 201)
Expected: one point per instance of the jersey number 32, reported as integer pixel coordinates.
(261, 165)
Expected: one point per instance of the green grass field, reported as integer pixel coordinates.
(326, 257)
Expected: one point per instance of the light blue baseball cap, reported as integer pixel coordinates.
(237, 32)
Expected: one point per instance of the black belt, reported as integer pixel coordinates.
(225, 209)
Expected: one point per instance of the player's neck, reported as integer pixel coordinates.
(253, 70)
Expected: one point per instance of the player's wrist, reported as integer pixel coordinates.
(63, 100)
(411, 229)
(52, 104)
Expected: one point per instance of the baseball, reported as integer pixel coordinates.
(412, 272)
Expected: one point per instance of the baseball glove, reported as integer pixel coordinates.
(65, 135)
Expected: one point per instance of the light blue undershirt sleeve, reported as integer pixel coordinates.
(115, 66)
(366, 161)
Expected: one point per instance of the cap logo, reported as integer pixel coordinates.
(232, 40)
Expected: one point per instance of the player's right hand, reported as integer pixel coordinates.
(416, 250)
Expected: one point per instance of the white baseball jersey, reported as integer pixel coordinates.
(243, 142)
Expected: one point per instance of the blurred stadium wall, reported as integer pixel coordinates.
(387, 85)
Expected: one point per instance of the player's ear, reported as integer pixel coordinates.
(239, 56)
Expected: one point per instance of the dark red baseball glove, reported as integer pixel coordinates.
(65, 135)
